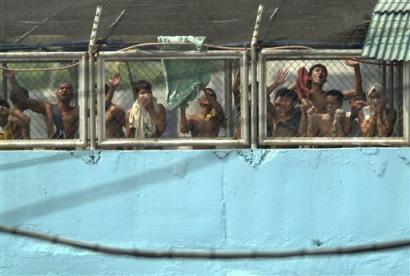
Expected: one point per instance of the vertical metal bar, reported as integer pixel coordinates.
(391, 88)
(262, 98)
(400, 92)
(383, 77)
(83, 100)
(3, 39)
(100, 101)
(395, 98)
(228, 97)
(244, 121)
(254, 94)
(91, 88)
(91, 64)
(4, 83)
(406, 102)
(94, 30)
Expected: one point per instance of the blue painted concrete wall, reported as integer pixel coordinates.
(258, 200)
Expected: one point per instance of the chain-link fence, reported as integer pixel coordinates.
(168, 76)
(39, 82)
(46, 96)
(341, 76)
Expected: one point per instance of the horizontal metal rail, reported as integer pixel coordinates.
(173, 142)
(40, 56)
(309, 54)
(33, 57)
(47, 143)
(153, 55)
(322, 141)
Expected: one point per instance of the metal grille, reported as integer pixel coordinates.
(341, 77)
(153, 72)
(41, 86)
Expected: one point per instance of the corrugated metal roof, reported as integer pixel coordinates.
(388, 37)
(392, 6)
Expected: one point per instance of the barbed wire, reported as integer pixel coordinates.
(206, 254)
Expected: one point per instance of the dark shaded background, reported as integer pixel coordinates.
(222, 22)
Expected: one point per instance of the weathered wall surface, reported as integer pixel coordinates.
(256, 200)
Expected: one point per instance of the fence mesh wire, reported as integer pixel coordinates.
(153, 72)
(341, 77)
(41, 86)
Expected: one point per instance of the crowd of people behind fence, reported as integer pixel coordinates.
(304, 109)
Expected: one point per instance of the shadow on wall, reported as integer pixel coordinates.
(198, 161)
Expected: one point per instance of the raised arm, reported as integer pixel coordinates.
(358, 89)
(22, 119)
(114, 82)
(19, 97)
(385, 119)
(11, 76)
(158, 117)
(185, 125)
(280, 79)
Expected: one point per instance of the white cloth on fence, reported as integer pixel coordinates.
(141, 120)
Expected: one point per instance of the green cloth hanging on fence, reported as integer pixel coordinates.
(184, 77)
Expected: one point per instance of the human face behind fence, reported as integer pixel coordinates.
(376, 100)
(318, 75)
(332, 104)
(284, 104)
(65, 92)
(203, 99)
(144, 96)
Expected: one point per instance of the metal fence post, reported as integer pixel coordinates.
(254, 86)
(228, 97)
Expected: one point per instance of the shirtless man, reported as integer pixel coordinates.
(12, 120)
(114, 115)
(284, 115)
(333, 123)
(23, 132)
(61, 119)
(376, 120)
(206, 123)
(317, 77)
(146, 118)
